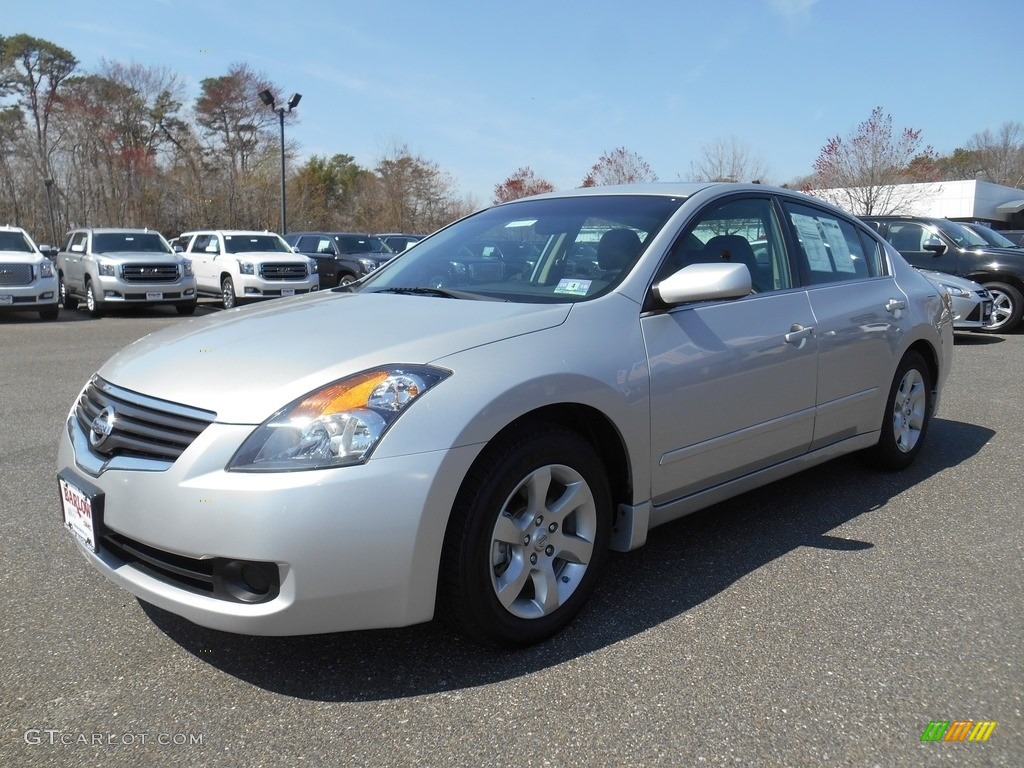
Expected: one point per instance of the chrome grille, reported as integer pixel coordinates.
(283, 271)
(139, 426)
(15, 274)
(149, 273)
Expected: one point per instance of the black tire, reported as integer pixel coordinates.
(345, 278)
(227, 293)
(544, 558)
(908, 412)
(50, 313)
(186, 309)
(66, 299)
(92, 304)
(1007, 307)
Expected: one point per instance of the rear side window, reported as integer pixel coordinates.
(831, 249)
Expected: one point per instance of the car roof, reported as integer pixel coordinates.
(110, 230)
(228, 232)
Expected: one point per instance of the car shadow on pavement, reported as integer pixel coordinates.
(683, 564)
(977, 339)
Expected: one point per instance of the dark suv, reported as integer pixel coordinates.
(945, 246)
(342, 257)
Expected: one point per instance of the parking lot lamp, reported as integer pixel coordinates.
(268, 98)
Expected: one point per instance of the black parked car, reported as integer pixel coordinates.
(342, 257)
(945, 246)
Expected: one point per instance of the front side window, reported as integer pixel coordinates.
(552, 250)
(740, 231)
(830, 248)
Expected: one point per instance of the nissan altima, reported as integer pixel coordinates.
(486, 429)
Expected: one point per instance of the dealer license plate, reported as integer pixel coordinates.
(287, 291)
(82, 509)
(6, 299)
(154, 296)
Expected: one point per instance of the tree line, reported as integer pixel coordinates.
(120, 147)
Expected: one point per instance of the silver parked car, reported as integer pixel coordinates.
(971, 302)
(504, 425)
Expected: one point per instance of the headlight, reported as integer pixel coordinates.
(337, 425)
(246, 268)
(46, 268)
(313, 267)
(186, 268)
(368, 264)
(954, 290)
(107, 270)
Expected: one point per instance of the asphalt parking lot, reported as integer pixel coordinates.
(823, 620)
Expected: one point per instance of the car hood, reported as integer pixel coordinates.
(245, 364)
(141, 257)
(280, 256)
(950, 279)
(21, 257)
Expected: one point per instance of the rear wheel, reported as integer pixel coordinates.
(908, 412)
(527, 539)
(1007, 307)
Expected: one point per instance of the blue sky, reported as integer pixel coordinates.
(483, 88)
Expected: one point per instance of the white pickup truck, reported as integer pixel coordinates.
(239, 265)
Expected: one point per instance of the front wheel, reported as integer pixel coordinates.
(66, 299)
(908, 412)
(227, 293)
(1007, 307)
(527, 539)
(92, 304)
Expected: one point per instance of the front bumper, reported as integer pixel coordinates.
(254, 287)
(355, 547)
(113, 290)
(39, 294)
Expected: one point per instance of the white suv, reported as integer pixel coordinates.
(238, 265)
(28, 280)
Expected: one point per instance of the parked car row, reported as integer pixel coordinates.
(945, 246)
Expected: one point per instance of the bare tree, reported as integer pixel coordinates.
(1000, 155)
(728, 160)
(522, 183)
(620, 166)
(868, 172)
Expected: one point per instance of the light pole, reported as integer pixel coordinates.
(49, 204)
(268, 98)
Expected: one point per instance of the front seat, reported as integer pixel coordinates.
(616, 250)
(734, 249)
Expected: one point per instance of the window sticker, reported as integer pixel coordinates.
(837, 242)
(573, 287)
(814, 245)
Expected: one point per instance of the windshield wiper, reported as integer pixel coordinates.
(444, 293)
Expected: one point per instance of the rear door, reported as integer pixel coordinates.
(859, 319)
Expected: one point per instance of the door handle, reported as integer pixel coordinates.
(895, 304)
(798, 334)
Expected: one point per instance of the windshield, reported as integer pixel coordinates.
(357, 244)
(247, 243)
(992, 237)
(15, 241)
(961, 235)
(552, 250)
(134, 242)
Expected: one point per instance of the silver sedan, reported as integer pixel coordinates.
(525, 390)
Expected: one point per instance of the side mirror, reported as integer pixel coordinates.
(704, 282)
(48, 251)
(935, 245)
(212, 249)
(178, 249)
(78, 248)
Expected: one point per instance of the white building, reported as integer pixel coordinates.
(972, 200)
